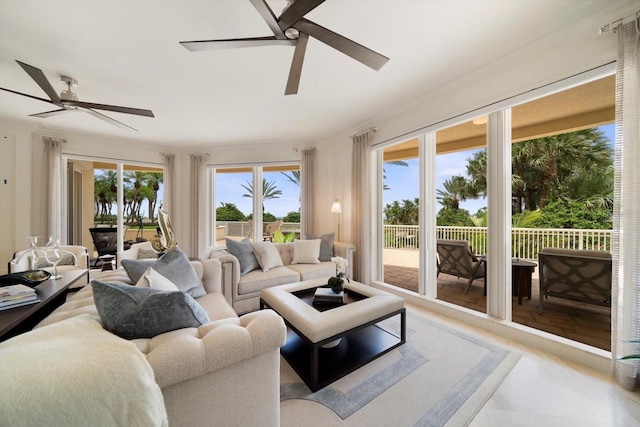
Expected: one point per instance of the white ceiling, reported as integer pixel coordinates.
(127, 53)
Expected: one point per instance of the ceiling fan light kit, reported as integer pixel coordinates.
(291, 28)
(68, 100)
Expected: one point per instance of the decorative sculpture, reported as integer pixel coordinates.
(166, 240)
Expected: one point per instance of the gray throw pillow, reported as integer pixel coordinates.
(244, 252)
(174, 265)
(147, 254)
(134, 312)
(326, 245)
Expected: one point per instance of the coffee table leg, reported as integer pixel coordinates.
(314, 365)
(403, 327)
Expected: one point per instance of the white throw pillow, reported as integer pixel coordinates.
(306, 251)
(153, 279)
(267, 255)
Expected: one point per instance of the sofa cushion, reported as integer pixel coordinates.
(326, 245)
(134, 312)
(174, 265)
(258, 280)
(267, 255)
(306, 251)
(244, 252)
(155, 280)
(313, 271)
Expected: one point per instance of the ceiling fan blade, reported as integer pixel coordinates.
(51, 113)
(267, 14)
(196, 46)
(350, 48)
(38, 76)
(115, 108)
(296, 65)
(29, 96)
(107, 119)
(296, 12)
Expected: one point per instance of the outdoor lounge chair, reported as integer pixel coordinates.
(455, 258)
(579, 275)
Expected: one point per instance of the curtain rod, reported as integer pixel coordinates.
(615, 25)
(373, 129)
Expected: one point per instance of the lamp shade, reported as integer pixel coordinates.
(336, 208)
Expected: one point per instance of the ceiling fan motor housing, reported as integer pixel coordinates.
(68, 95)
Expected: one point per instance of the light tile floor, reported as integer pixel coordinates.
(544, 390)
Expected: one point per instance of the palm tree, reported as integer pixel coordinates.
(406, 214)
(384, 172)
(154, 179)
(104, 190)
(575, 166)
(558, 158)
(294, 177)
(269, 190)
(457, 190)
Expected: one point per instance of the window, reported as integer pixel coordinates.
(559, 195)
(235, 200)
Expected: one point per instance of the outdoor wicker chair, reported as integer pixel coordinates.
(578, 275)
(455, 258)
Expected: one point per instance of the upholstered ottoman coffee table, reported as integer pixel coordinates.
(325, 343)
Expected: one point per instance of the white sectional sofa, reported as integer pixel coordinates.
(207, 374)
(243, 291)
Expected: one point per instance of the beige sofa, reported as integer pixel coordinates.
(243, 292)
(205, 373)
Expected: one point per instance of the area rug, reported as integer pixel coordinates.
(440, 377)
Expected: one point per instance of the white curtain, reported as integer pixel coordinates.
(307, 174)
(168, 183)
(197, 236)
(361, 206)
(626, 214)
(52, 187)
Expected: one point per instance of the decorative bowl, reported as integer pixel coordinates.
(30, 278)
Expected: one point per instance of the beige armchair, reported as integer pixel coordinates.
(78, 259)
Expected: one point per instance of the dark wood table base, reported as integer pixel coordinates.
(318, 366)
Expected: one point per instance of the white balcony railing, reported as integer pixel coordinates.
(525, 242)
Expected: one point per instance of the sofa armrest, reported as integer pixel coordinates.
(346, 251)
(230, 272)
(213, 346)
(211, 275)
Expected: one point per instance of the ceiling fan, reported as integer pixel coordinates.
(68, 101)
(291, 28)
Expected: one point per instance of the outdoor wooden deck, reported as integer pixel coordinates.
(577, 321)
